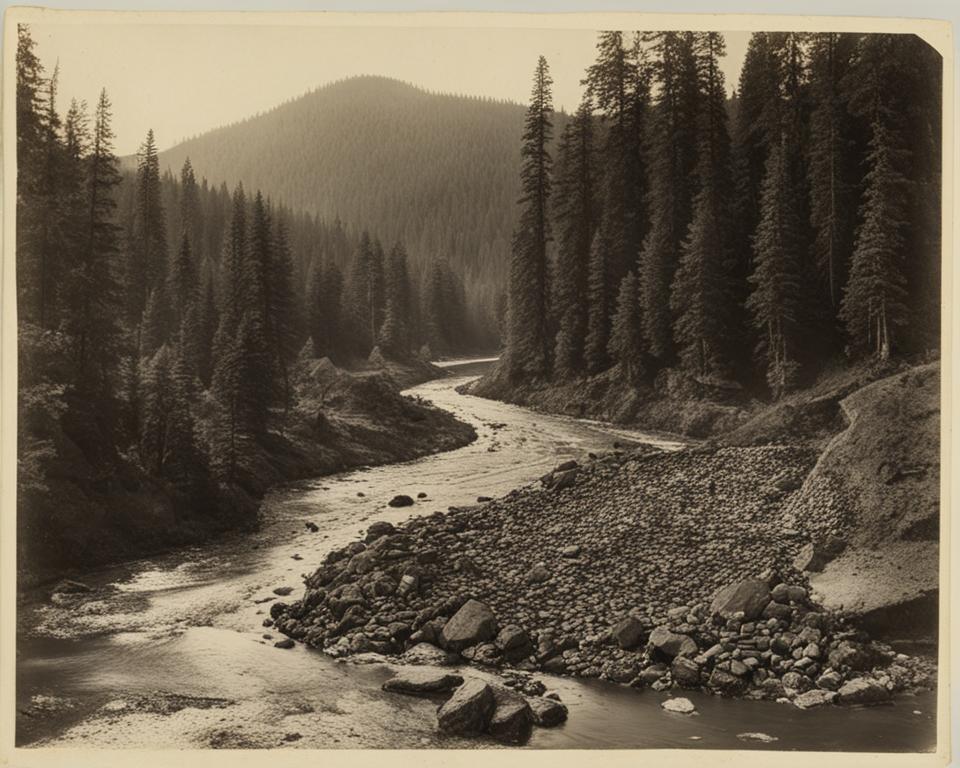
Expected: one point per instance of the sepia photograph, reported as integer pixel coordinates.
(466, 382)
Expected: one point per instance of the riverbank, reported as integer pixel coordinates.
(613, 569)
(341, 420)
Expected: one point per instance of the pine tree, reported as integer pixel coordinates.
(626, 334)
(576, 216)
(832, 180)
(395, 330)
(285, 320)
(599, 309)
(528, 343)
(191, 215)
(674, 152)
(875, 298)
(619, 85)
(701, 294)
(156, 403)
(93, 293)
(147, 260)
(775, 298)
(182, 284)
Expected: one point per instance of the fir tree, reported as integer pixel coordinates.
(673, 151)
(832, 181)
(147, 260)
(528, 344)
(775, 298)
(576, 215)
(599, 309)
(875, 298)
(701, 296)
(182, 284)
(626, 334)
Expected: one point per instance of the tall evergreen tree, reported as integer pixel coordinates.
(626, 334)
(147, 260)
(875, 297)
(775, 298)
(599, 307)
(576, 219)
(528, 343)
(833, 185)
(701, 293)
(674, 153)
(182, 282)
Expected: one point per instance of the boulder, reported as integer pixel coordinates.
(681, 705)
(669, 644)
(286, 644)
(547, 713)
(70, 587)
(749, 597)
(816, 554)
(863, 690)
(853, 655)
(514, 641)
(685, 672)
(380, 528)
(512, 719)
(426, 653)
(283, 591)
(469, 710)
(629, 632)
(422, 682)
(726, 683)
(563, 480)
(401, 500)
(815, 698)
(353, 618)
(474, 623)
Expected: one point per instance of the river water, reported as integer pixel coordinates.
(170, 651)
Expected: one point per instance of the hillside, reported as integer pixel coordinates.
(439, 172)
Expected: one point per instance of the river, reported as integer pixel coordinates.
(170, 651)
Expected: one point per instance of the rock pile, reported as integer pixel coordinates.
(478, 707)
(657, 570)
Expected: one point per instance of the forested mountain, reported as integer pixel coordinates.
(741, 243)
(434, 171)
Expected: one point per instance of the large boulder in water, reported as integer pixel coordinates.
(863, 691)
(748, 597)
(473, 624)
(469, 710)
(512, 719)
(547, 713)
(422, 682)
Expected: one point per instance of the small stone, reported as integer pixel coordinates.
(401, 500)
(756, 736)
(286, 643)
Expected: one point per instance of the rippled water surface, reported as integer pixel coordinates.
(170, 651)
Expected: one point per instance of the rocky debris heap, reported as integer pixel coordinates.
(478, 707)
(635, 571)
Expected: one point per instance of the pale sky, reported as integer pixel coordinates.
(185, 80)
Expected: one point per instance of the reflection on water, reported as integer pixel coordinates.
(170, 651)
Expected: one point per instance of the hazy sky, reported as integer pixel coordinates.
(184, 80)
